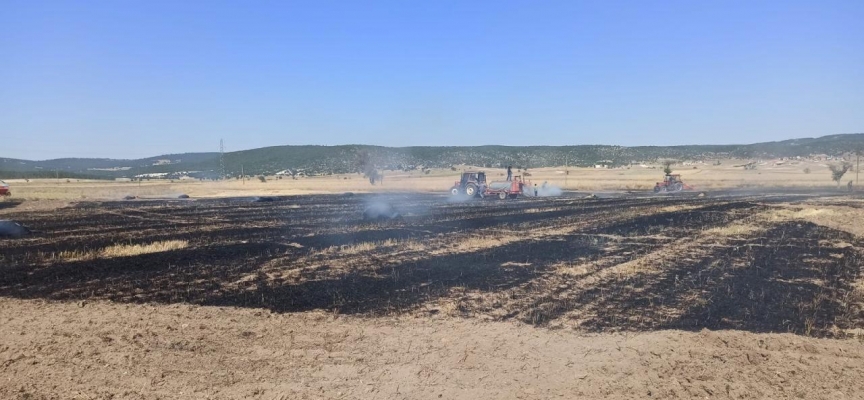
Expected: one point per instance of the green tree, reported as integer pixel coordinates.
(667, 167)
(838, 170)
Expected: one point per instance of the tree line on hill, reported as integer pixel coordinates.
(318, 160)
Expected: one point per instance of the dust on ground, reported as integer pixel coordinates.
(19, 205)
(103, 350)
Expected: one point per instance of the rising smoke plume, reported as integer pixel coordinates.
(547, 190)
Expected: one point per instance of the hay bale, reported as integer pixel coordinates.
(13, 229)
(380, 210)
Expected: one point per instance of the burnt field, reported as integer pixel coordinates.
(759, 263)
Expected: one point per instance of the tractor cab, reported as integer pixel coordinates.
(472, 177)
(671, 183)
(472, 183)
(672, 179)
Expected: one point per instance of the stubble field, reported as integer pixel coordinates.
(732, 295)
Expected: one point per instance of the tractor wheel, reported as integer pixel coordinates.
(502, 196)
(471, 190)
(454, 191)
(656, 188)
(678, 187)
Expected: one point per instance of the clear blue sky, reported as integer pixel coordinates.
(140, 78)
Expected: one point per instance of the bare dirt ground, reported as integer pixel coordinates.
(734, 295)
(103, 350)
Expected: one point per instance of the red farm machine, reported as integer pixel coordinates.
(473, 184)
(4, 189)
(671, 183)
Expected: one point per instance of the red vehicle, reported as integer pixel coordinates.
(4, 189)
(473, 184)
(671, 183)
(505, 189)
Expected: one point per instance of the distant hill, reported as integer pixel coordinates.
(97, 167)
(313, 160)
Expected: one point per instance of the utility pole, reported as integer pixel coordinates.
(857, 165)
(242, 174)
(222, 158)
(566, 170)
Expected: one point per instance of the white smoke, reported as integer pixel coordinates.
(12, 229)
(547, 190)
(379, 209)
(459, 198)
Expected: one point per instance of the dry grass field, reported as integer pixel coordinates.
(635, 178)
(753, 293)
